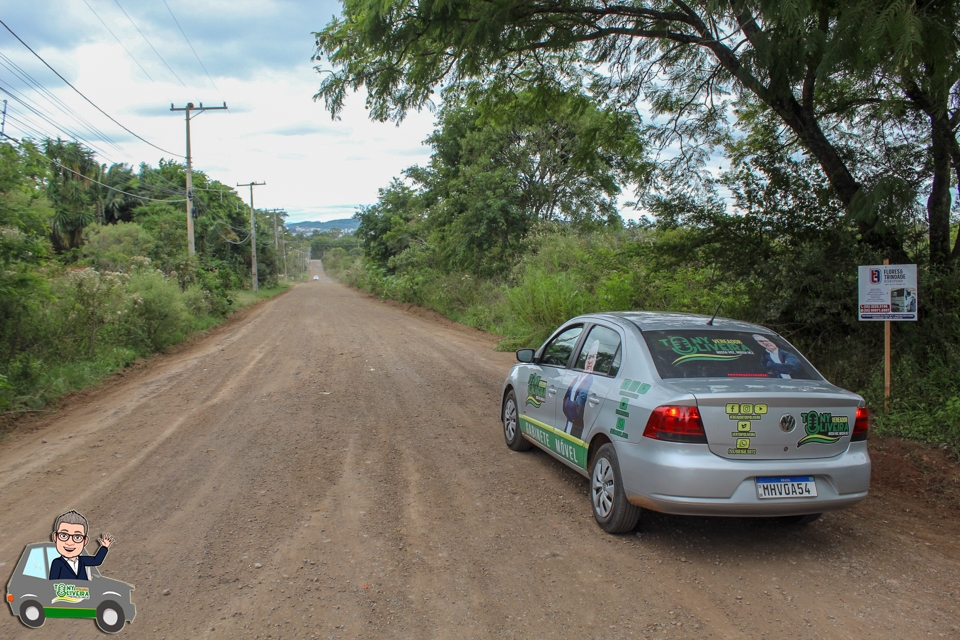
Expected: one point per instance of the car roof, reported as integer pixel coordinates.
(660, 320)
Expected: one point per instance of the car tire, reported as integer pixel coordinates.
(110, 616)
(511, 424)
(32, 613)
(801, 520)
(612, 510)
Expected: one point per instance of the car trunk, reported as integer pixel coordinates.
(773, 419)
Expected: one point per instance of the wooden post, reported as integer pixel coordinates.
(886, 359)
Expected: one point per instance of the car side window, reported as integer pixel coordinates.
(557, 352)
(603, 344)
(36, 566)
(51, 556)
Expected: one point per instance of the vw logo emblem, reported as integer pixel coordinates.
(787, 423)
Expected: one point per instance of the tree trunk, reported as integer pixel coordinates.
(938, 204)
(955, 155)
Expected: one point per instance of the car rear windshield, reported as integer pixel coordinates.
(692, 353)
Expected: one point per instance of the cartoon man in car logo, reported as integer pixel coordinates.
(60, 581)
(70, 535)
(575, 399)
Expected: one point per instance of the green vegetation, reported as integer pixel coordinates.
(92, 279)
(835, 127)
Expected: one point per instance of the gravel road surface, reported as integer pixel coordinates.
(333, 466)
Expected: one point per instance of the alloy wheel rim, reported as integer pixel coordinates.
(510, 420)
(110, 617)
(32, 613)
(602, 487)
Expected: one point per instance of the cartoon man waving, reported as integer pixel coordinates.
(70, 536)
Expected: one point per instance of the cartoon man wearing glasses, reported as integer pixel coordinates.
(70, 536)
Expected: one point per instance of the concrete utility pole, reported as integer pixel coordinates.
(253, 233)
(276, 212)
(191, 245)
(278, 240)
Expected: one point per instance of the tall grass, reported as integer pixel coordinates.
(95, 323)
(565, 275)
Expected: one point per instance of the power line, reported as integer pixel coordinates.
(191, 45)
(112, 119)
(118, 40)
(117, 2)
(24, 127)
(55, 125)
(133, 195)
(57, 103)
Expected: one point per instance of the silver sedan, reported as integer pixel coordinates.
(684, 414)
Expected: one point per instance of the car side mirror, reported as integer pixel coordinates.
(525, 355)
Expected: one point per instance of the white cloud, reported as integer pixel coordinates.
(258, 54)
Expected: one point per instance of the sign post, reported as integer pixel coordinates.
(888, 293)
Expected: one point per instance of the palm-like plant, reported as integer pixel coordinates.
(68, 188)
(118, 206)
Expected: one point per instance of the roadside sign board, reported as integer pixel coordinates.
(888, 292)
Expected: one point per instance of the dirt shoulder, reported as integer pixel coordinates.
(333, 466)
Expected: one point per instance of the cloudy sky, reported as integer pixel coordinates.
(131, 59)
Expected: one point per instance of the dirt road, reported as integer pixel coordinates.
(333, 466)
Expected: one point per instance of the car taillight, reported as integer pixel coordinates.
(861, 426)
(676, 424)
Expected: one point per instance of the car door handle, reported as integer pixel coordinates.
(593, 399)
(551, 391)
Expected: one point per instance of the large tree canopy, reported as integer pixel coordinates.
(857, 86)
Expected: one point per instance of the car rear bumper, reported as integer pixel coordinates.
(687, 479)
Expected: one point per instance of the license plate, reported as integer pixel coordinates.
(786, 487)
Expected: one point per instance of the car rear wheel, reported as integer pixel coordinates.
(110, 616)
(612, 510)
(511, 424)
(32, 614)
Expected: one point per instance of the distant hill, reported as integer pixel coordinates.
(344, 224)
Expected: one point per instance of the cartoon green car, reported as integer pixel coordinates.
(34, 598)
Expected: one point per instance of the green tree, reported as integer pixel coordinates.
(73, 169)
(823, 68)
(502, 164)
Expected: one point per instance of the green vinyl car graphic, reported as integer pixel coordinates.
(34, 598)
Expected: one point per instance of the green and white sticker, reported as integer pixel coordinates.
(561, 443)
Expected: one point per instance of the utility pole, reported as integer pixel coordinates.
(284, 243)
(253, 233)
(191, 245)
(278, 240)
(276, 213)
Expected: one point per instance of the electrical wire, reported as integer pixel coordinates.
(126, 193)
(24, 127)
(31, 82)
(56, 125)
(191, 45)
(112, 119)
(117, 2)
(118, 40)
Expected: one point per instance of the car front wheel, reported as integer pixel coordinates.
(110, 616)
(32, 614)
(511, 424)
(612, 510)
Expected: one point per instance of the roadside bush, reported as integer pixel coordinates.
(86, 303)
(158, 315)
(111, 247)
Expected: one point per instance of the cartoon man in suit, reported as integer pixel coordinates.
(70, 536)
